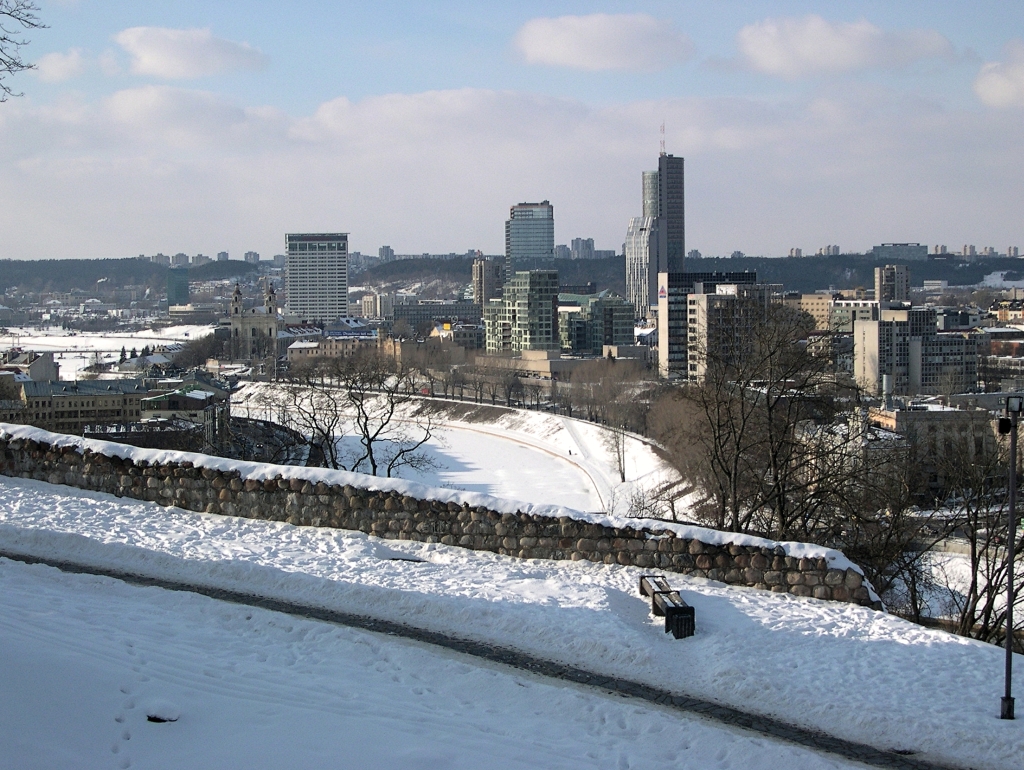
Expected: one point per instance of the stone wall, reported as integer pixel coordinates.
(389, 514)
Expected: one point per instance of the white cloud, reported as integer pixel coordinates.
(108, 63)
(603, 42)
(160, 168)
(811, 45)
(58, 67)
(1001, 84)
(177, 54)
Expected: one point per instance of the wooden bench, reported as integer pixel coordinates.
(679, 616)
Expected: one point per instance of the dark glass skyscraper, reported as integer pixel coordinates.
(671, 215)
(177, 286)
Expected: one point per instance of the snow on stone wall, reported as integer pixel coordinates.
(395, 509)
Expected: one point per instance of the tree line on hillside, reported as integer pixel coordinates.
(64, 275)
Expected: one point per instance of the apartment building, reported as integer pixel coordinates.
(67, 407)
(526, 316)
(905, 347)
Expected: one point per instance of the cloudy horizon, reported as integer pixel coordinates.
(221, 126)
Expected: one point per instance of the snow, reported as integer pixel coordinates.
(74, 350)
(263, 471)
(88, 660)
(846, 670)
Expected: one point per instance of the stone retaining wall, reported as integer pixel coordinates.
(389, 514)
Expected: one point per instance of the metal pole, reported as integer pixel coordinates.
(1006, 704)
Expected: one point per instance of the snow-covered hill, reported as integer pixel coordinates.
(518, 454)
(854, 673)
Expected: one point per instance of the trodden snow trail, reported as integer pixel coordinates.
(707, 710)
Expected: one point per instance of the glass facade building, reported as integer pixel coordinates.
(529, 234)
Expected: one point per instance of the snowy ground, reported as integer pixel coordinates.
(87, 660)
(75, 350)
(524, 455)
(852, 672)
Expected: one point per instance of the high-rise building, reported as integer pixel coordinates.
(177, 286)
(529, 234)
(586, 323)
(582, 248)
(386, 254)
(562, 251)
(316, 275)
(222, 256)
(903, 353)
(721, 325)
(659, 236)
(671, 215)
(892, 283)
(641, 256)
(526, 316)
(252, 257)
(488, 278)
(674, 290)
(650, 189)
(901, 252)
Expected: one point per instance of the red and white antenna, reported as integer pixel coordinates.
(663, 137)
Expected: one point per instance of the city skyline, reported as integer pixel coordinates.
(201, 128)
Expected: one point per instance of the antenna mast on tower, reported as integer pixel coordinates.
(663, 137)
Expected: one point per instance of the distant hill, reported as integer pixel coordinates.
(804, 274)
(848, 271)
(67, 274)
(219, 271)
(607, 273)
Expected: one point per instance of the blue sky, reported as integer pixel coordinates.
(200, 127)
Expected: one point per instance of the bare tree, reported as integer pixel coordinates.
(973, 470)
(195, 353)
(306, 402)
(374, 389)
(363, 394)
(15, 17)
(611, 391)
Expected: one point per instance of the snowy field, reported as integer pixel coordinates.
(75, 350)
(851, 672)
(87, 660)
(523, 455)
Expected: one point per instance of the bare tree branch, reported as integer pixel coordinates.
(15, 17)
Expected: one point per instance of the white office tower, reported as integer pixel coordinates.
(641, 253)
(529, 234)
(650, 194)
(316, 275)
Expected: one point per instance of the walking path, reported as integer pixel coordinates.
(694, 706)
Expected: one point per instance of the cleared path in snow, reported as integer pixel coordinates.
(723, 714)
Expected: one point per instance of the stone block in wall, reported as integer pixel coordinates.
(395, 516)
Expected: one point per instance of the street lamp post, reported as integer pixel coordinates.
(1014, 405)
